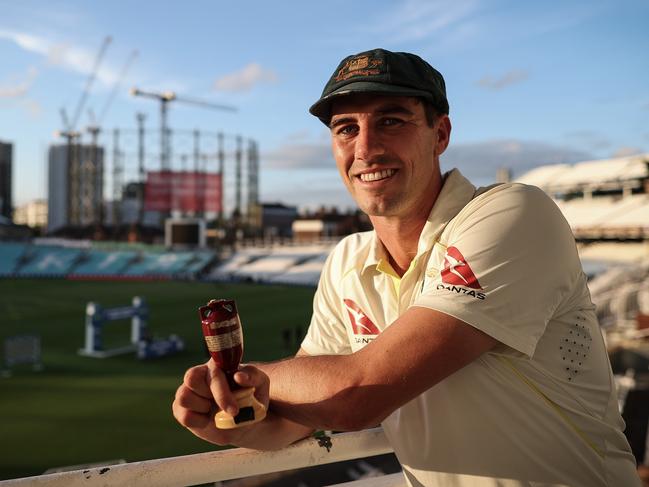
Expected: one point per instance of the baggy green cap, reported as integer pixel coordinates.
(385, 73)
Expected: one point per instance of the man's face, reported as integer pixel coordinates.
(386, 153)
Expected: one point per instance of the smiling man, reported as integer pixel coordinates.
(462, 323)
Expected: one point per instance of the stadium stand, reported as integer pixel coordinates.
(99, 263)
(602, 200)
(47, 261)
(199, 262)
(83, 262)
(298, 264)
(227, 269)
(167, 264)
(618, 294)
(266, 268)
(544, 176)
(623, 173)
(608, 217)
(306, 273)
(10, 254)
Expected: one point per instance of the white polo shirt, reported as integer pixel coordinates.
(541, 407)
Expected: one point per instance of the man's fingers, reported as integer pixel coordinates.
(191, 419)
(188, 399)
(196, 379)
(220, 390)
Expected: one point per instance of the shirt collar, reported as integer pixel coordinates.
(456, 192)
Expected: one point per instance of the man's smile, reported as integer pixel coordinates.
(376, 175)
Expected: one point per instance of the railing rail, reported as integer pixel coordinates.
(214, 466)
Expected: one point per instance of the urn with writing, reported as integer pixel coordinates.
(224, 339)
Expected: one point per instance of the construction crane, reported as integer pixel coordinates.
(94, 127)
(70, 125)
(77, 210)
(165, 98)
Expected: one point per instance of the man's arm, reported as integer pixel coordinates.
(205, 385)
(337, 392)
(351, 392)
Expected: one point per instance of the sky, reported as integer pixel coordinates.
(528, 83)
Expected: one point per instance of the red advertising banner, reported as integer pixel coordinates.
(187, 191)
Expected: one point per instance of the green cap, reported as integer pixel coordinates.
(385, 73)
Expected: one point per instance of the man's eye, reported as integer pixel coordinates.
(347, 130)
(390, 121)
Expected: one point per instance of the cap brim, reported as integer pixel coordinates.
(322, 108)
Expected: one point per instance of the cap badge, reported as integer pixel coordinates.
(359, 66)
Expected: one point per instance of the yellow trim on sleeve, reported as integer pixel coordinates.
(553, 405)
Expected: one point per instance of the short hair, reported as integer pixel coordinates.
(430, 111)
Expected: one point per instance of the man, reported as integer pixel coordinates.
(462, 323)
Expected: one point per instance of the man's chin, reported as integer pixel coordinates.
(379, 209)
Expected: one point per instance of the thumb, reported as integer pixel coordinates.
(251, 376)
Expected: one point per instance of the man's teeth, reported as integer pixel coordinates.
(378, 175)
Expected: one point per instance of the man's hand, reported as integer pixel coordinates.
(205, 390)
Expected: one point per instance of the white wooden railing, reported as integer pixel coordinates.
(222, 465)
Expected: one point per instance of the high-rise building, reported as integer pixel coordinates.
(6, 156)
(75, 185)
(32, 214)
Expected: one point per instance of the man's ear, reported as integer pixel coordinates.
(443, 127)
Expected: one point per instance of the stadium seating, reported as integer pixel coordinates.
(300, 265)
(198, 262)
(589, 175)
(606, 216)
(37, 260)
(10, 254)
(306, 273)
(98, 263)
(228, 268)
(167, 264)
(47, 261)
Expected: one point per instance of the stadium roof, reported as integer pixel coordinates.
(602, 174)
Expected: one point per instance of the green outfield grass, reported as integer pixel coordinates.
(82, 410)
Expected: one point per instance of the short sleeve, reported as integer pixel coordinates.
(507, 261)
(326, 334)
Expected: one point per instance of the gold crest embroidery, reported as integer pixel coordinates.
(359, 66)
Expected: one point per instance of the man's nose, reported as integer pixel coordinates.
(368, 144)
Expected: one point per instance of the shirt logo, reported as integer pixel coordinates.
(457, 271)
(361, 324)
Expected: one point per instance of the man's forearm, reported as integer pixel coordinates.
(273, 433)
(316, 391)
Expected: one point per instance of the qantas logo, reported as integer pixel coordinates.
(456, 270)
(361, 324)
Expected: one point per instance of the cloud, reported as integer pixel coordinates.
(479, 161)
(64, 55)
(17, 87)
(245, 79)
(303, 155)
(415, 20)
(595, 141)
(510, 78)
